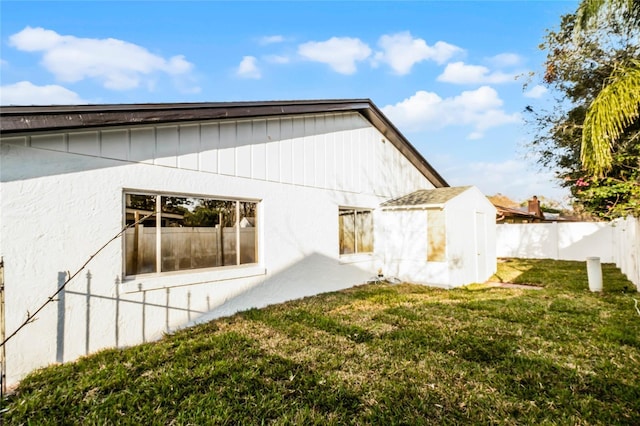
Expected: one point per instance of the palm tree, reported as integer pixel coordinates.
(617, 106)
(589, 11)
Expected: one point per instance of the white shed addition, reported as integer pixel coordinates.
(444, 237)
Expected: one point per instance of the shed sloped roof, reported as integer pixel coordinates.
(426, 197)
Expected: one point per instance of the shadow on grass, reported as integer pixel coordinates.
(377, 354)
(227, 379)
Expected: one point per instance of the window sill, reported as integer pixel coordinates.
(185, 278)
(355, 258)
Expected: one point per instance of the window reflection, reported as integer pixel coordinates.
(140, 247)
(248, 234)
(192, 233)
(364, 229)
(356, 231)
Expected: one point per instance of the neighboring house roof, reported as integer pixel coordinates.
(504, 213)
(22, 119)
(503, 201)
(507, 213)
(426, 197)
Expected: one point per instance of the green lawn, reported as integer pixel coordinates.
(375, 354)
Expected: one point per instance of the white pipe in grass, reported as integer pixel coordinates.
(594, 273)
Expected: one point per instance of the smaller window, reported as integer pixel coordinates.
(356, 231)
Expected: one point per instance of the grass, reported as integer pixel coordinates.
(374, 354)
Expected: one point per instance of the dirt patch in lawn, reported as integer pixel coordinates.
(512, 285)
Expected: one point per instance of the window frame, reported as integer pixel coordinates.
(158, 234)
(356, 253)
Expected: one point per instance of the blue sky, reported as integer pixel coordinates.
(450, 75)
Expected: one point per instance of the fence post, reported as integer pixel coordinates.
(556, 229)
(630, 243)
(3, 358)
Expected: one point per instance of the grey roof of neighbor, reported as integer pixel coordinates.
(426, 197)
(16, 120)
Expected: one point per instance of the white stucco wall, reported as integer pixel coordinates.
(62, 198)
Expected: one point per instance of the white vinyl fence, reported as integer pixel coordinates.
(613, 242)
(626, 250)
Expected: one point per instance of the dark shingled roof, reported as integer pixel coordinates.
(426, 197)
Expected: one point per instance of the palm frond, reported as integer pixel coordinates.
(589, 11)
(612, 111)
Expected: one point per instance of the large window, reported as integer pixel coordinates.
(356, 231)
(183, 233)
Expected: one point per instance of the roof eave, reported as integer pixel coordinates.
(20, 119)
(391, 132)
(16, 120)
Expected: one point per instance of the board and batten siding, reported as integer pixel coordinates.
(334, 151)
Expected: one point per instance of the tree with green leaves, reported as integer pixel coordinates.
(591, 135)
(617, 105)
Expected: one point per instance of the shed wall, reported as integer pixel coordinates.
(404, 248)
(471, 232)
(470, 243)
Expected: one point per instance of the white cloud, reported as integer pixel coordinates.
(271, 39)
(119, 65)
(340, 53)
(484, 98)
(461, 73)
(505, 60)
(35, 39)
(475, 135)
(517, 179)
(481, 109)
(277, 59)
(536, 92)
(401, 52)
(187, 86)
(248, 68)
(27, 93)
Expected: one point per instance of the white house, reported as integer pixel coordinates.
(229, 206)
